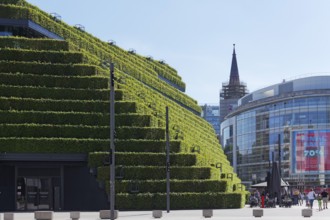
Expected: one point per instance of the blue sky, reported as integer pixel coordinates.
(275, 40)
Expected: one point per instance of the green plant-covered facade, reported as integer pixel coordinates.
(54, 126)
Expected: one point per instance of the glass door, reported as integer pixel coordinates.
(37, 193)
(38, 188)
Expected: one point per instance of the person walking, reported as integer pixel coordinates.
(319, 201)
(324, 195)
(300, 198)
(311, 197)
(306, 199)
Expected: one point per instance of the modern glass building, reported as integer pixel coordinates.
(287, 122)
(211, 113)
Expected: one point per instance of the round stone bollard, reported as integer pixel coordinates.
(105, 214)
(8, 216)
(74, 215)
(43, 215)
(258, 213)
(306, 212)
(157, 213)
(207, 213)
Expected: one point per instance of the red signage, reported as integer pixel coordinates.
(311, 150)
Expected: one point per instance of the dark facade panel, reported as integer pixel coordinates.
(7, 188)
(80, 188)
(22, 23)
(285, 88)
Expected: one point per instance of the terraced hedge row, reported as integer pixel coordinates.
(74, 145)
(41, 56)
(28, 104)
(97, 159)
(73, 118)
(54, 69)
(52, 145)
(49, 117)
(149, 201)
(49, 81)
(73, 82)
(57, 93)
(61, 131)
(78, 131)
(44, 50)
(159, 186)
(158, 172)
(34, 44)
(156, 146)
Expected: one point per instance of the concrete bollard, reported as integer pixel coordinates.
(306, 212)
(157, 213)
(8, 216)
(43, 215)
(74, 215)
(258, 213)
(207, 213)
(105, 214)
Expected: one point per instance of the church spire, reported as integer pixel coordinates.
(234, 76)
(235, 89)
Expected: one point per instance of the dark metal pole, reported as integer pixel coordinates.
(279, 155)
(167, 164)
(112, 142)
(279, 166)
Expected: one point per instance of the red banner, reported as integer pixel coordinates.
(311, 148)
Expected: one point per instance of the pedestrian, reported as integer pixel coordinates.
(319, 201)
(257, 195)
(311, 197)
(262, 200)
(306, 199)
(300, 198)
(324, 195)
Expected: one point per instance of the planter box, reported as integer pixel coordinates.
(8, 216)
(258, 212)
(306, 212)
(157, 213)
(43, 215)
(105, 214)
(207, 213)
(74, 215)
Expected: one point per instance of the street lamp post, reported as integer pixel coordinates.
(112, 142)
(167, 162)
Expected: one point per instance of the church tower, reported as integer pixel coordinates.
(232, 90)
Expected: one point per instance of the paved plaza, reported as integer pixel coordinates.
(292, 213)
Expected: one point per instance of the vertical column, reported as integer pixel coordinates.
(112, 143)
(167, 163)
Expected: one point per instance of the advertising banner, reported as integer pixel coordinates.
(310, 151)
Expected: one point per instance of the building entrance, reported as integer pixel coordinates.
(35, 192)
(38, 193)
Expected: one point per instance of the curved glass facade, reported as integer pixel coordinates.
(291, 124)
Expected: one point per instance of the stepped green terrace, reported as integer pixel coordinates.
(54, 125)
